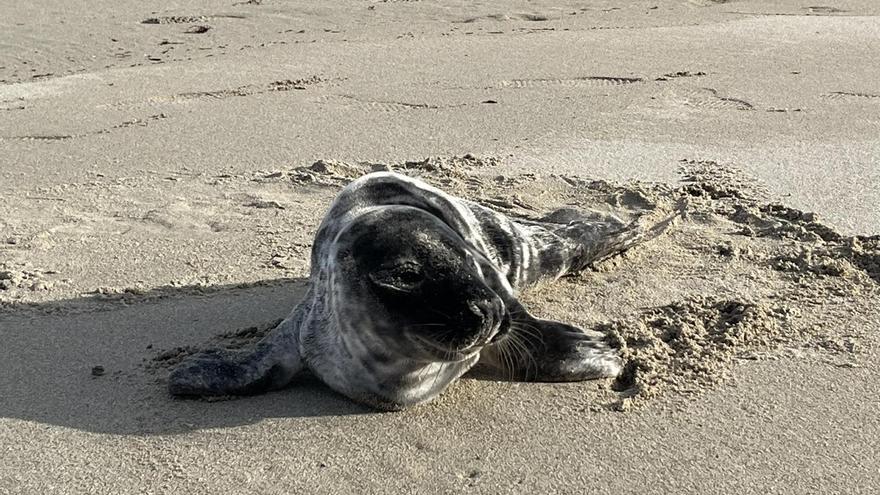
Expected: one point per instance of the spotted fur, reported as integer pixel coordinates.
(410, 286)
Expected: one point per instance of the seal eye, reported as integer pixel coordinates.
(404, 277)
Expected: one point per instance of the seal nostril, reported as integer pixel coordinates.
(485, 313)
(503, 326)
(493, 317)
(475, 308)
(479, 311)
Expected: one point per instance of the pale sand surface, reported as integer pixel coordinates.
(155, 193)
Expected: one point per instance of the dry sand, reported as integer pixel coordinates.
(163, 168)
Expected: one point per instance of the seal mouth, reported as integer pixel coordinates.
(502, 330)
(499, 331)
(446, 353)
(499, 336)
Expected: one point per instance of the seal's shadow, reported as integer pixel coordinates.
(89, 363)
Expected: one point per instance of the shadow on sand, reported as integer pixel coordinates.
(49, 353)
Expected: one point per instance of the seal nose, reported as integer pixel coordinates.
(488, 313)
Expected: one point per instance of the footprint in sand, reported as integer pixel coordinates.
(573, 82)
(182, 217)
(705, 99)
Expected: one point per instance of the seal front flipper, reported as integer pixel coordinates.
(270, 365)
(550, 351)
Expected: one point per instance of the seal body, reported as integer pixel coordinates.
(410, 287)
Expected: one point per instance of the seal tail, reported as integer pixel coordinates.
(270, 365)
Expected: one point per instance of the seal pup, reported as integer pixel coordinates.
(410, 286)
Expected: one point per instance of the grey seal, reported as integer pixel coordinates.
(411, 286)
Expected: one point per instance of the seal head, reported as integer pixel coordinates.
(420, 290)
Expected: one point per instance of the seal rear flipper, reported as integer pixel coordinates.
(550, 351)
(270, 365)
(596, 237)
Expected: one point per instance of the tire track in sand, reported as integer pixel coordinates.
(575, 82)
(220, 94)
(851, 95)
(384, 106)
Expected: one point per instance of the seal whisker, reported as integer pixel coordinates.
(423, 375)
(512, 356)
(526, 355)
(526, 359)
(439, 313)
(516, 357)
(527, 332)
(506, 360)
(434, 382)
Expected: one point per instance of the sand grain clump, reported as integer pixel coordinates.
(689, 344)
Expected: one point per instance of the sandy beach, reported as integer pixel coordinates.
(164, 167)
